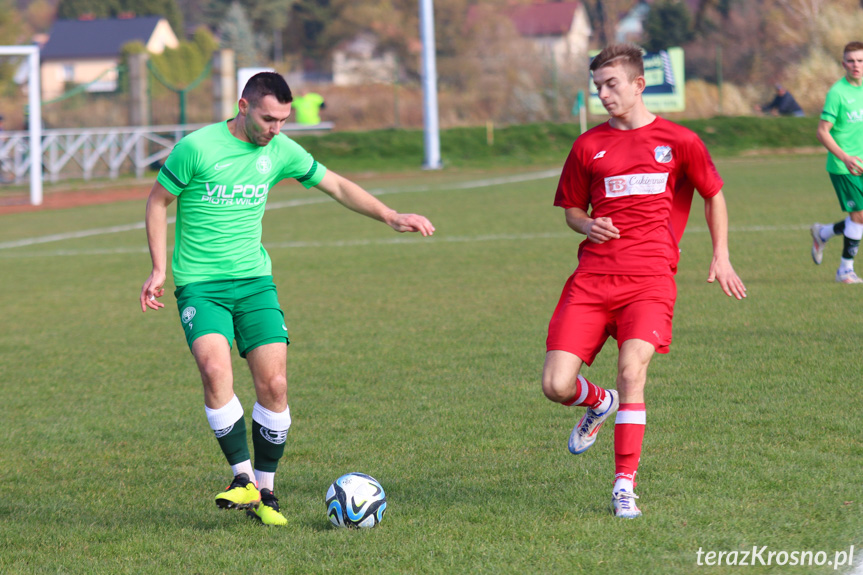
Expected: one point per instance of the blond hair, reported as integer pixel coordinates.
(627, 55)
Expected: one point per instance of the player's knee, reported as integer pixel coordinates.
(556, 388)
(275, 386)
(215, 373)
(631, 379)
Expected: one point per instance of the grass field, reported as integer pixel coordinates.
(417, 361)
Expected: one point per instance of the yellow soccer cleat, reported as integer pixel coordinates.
(240, 494)
(268, 511)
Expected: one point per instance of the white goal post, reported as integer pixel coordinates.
(34, 94)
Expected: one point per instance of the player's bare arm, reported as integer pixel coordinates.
(721, 270)
(354, 197)
(853, 163)
(157, 231)
(597, 230)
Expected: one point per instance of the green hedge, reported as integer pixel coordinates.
(536, 144)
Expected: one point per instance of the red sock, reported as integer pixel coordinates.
(628, 437)
(586, 393)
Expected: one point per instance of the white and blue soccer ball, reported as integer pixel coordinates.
(356, 500)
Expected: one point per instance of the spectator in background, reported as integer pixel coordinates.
(783, 104)
(307, 108)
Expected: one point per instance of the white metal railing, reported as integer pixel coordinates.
(100, 152)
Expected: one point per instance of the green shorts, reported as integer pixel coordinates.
(849, 190)
(243, 309)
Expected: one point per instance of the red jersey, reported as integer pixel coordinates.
(643, 180)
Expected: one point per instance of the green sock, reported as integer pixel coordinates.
(234, 444)
(269, 447)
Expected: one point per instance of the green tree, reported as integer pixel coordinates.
(13, 29)
(604, 15)
(183, 65)
(40, 15)
(669, 23)
(309, 30)
(268, 18)
(273, 16)
(74, 9)
(236, 34)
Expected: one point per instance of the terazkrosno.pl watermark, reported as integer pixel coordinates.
(765, 556)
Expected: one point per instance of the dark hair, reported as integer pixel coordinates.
(852, 47)
(629, 55)
(267, 84)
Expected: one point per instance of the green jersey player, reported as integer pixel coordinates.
(220, 177)
(841, 132)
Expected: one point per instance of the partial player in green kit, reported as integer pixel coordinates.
(841, 132)
(220, 177)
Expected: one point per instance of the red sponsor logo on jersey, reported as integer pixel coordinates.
(615, 185)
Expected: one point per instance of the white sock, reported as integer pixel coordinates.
(853, 230)
(623, 484)
(826, 232)
(846, 265)
(244, 467)
(265, 479)
(226, 416)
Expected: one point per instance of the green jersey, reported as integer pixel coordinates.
(307, 108)
(221, 184)
(843, 108)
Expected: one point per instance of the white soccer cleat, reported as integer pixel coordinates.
(847, 277)
(623, 505)
(817, 244)
(584, 433)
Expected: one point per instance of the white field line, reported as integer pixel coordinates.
(313, 244)
(401, 239)
(72, 235)
(484, 183)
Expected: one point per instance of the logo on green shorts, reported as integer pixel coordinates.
(188, 314)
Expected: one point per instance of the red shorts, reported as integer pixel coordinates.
(593, 307)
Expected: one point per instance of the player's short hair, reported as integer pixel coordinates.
(852, 47)
(626, 54)
(267, 84)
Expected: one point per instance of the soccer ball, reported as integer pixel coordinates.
(356, 500)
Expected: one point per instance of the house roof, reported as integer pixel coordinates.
(543, 19)
(96, 38)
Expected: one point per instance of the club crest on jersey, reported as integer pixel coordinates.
(662, 154)
(264, 164)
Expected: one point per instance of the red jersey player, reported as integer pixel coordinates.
(627, 185)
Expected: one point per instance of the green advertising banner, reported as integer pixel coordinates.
(665, 91)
